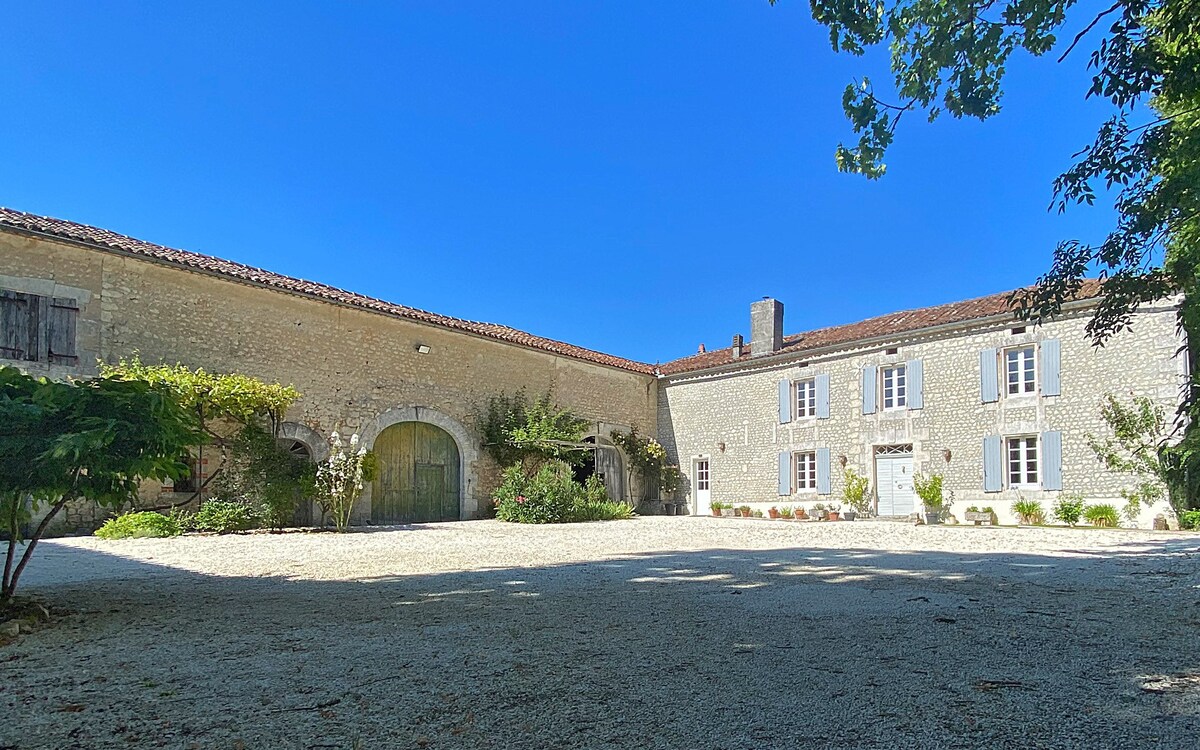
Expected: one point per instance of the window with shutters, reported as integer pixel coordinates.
(806, 398)
(35, 328)
(1022, 461)
(806, 471)
(1020, 371)
(893, 387)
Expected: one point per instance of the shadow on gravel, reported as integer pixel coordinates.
(718, 648)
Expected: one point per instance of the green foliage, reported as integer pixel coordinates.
(1135, 447)
(1189, 519)
(513, 429)
(138, 525)
(223, 517)
(929, 489)
(787, 512)
(553, 496)
(1069, 508)
(856, 490)
(1029, 512)
(260, 472)
(1104, 515)
(90, 440)
(648, 459)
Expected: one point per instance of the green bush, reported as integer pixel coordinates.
(1069, 509)
(138, 525)
(1189, 519)
(1029, 512)
(553, 496)
(223, 516)
(1102, 515)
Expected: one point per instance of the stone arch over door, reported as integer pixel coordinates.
(465, 444)
(293, 436)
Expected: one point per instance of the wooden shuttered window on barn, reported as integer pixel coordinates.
(19, 325)
(61, 329)
(34, 328)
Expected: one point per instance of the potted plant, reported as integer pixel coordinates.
(727, 509)
(715, 507)
(835, 512)
(856, 492)
(773, 512)
(817, 512)
(929, 489)
(756, 514)
(976, 516)
(744, 510)
(786, 513)
(1029, 512)
(801, 514)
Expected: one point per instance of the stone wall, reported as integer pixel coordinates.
(352, 366)
(739, 410)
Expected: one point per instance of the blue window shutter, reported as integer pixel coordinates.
(993, 464)
(1052, 461)
(914, 375)
(785, 401)
(1050, 354)
(785, 473)
(989, 383)
(822, 381)
(870, 374)
(822, 471)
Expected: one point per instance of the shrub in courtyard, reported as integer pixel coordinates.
(595, 504)
(223, 517)
(1104, 515)
(929, 489)
(1069, 508)
(340, 479)
(262, 473)
(553, 496)
(855, 492)
(139, 525)
(1029, 512)
(1189, 519)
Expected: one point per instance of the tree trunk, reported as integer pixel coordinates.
(10, 583)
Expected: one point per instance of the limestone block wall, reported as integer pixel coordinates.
(351, 365)
(699, 413)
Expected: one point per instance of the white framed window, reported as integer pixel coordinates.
(702, 483)
(1022, 461)
(893, 387)
(1020, 370)
(806, 398)
(806, 471)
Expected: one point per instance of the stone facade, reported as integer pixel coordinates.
(358, 370)
(730, 415)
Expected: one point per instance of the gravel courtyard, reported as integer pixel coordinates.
(656, 633)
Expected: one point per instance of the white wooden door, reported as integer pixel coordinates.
(703, 484)
(894, 479)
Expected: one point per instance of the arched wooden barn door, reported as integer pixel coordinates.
(418, 475)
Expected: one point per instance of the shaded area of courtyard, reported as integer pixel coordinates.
(795, 645)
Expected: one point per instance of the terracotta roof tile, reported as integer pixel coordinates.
(104, 239)
(906, 321)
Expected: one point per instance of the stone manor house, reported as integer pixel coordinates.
(1001, 408)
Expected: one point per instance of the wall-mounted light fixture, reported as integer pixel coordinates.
(721, 447)
(422, 349)
(946, 454)
(842, 460)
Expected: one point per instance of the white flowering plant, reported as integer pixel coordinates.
(341, 478)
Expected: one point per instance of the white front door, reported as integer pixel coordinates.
(702, 482)
(894, 480)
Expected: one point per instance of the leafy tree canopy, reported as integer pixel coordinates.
(513, 429)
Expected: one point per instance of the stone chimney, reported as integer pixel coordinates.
(737, 345)
(766, 327)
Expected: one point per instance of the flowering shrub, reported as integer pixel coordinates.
(340, 479)
(649, 459)
(553, 496)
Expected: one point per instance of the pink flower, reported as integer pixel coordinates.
(520, 498)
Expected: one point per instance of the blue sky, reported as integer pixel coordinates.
(626, 176)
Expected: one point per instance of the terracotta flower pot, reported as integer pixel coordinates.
(716, 512)
(773, 513)
(834, 515)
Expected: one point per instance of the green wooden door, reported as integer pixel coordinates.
(418, 475)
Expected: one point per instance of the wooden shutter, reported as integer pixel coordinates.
(1052, 461)
(989, 382)
(785, 473)
(993, 464)
(823, 471)
(19, 316)
(785, 401)
(914, 375)
(822, 381)
(870, 374)
(1049, 352)
(63, 315)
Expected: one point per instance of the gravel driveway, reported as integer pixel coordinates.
(653, 633)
